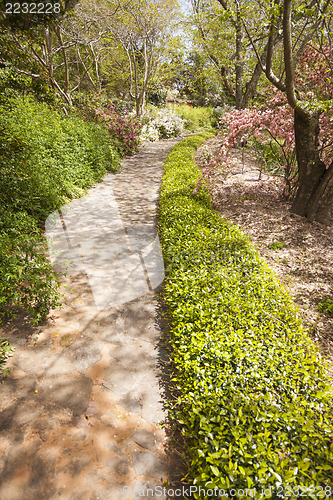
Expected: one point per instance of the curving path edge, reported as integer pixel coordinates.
(80, 412)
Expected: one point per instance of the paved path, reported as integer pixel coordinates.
(81, 408)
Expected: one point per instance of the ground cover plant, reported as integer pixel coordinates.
(46, 159)
(326, 306)
(253, 401)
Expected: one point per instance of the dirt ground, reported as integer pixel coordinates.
(302, 257)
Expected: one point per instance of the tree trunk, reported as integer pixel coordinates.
(314, 195)
(226, 85)
(321, 205)
(239, 61)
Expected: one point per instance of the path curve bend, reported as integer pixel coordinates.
(80, 411)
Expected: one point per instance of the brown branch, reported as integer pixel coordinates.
(288, 55)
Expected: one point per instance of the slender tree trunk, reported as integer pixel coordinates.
(239, 61)
(137, 94)
(313, 178)
(48, 55)
(252, 84)
(226, 85)
(145, 78)
(64, 55)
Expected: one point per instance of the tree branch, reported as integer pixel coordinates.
(288, 55)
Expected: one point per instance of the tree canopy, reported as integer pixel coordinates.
(221, 52)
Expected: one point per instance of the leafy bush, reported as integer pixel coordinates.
(157, 95)
(14, 84)
(27, 280)
(124, 129)
(45, 160)
(197, 118)
(160, 124)
(252, 395)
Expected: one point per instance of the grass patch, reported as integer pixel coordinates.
(253, 402)
(197, 118)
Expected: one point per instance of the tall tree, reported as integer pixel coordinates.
(142, 29)
(302, 22)
(221, 34)
(69, 50)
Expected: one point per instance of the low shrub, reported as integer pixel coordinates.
(160, 123)
(197, 118)
(124, 129)
(252, 395)
(5, 350)
(47, 158)
(27, 280)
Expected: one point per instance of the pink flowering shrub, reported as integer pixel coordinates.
(315, 75)
(270, 126)
(123, 129)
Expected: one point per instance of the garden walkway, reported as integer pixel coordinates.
(81, 409)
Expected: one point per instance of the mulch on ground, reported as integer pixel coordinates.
(300, 252)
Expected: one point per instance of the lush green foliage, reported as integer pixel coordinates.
(253, 402)
(197, 118)
(45, 160)
(326, 306)
(14, 84)
(27, 280)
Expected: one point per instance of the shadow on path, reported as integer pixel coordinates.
(81, 412)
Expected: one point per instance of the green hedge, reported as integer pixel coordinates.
(46, 159)
(253, 401)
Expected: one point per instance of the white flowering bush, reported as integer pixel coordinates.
(161, 124)
(149, 132)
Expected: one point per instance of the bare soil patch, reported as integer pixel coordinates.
(300, 252)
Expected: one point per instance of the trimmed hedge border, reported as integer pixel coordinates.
(253, 396)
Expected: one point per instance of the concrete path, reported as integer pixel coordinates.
(80, 412)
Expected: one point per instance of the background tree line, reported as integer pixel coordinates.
(256, 47)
